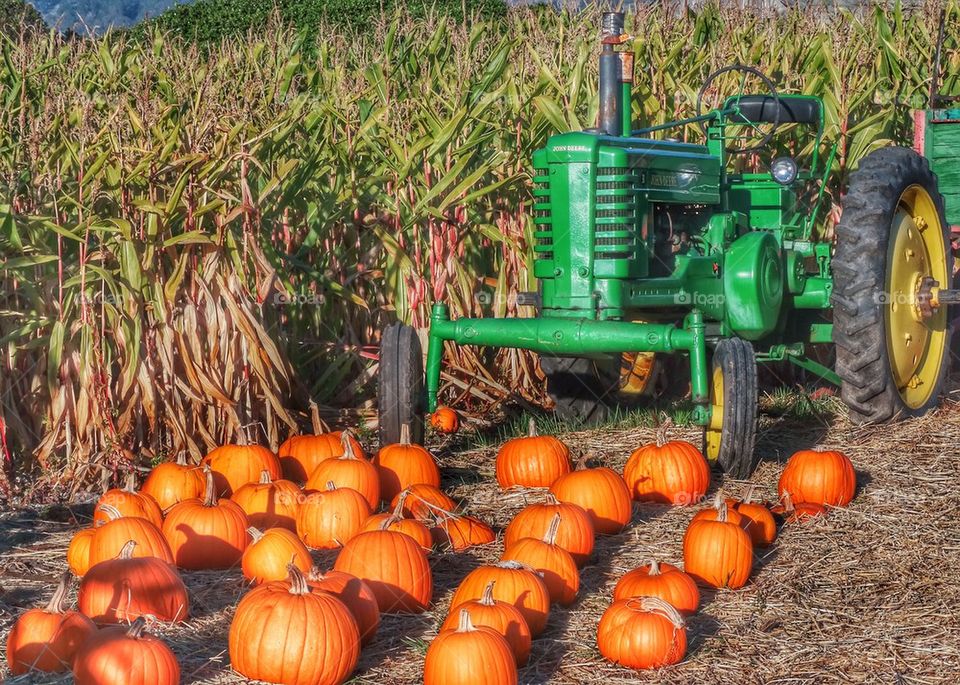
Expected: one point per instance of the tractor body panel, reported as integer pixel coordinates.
(938, 140)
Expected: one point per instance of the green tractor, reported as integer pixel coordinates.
(650, 246)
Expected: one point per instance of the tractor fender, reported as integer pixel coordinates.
(753, 285)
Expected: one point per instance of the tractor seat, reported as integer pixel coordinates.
(794, 109)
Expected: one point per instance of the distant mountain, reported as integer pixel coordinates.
(99, 15)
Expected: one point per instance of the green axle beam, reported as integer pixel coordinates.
(575, 338)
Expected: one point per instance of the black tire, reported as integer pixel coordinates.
(869, 387)
(582, 389)
(400, 384)
(736, 362)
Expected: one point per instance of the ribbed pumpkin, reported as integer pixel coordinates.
(514, 583)
(642, 633)
(111, 537)
(826, 478)
(393, 565)
(469, 655)
(173, 482)
(47, 639)
(424, 502)
(78, 551)
(123, 589)
(718, 553)
(461, 532)
(270, 503)
(348, 471)
(300, 454)
(355, 594)
(125, 655)
(758, 520)
(660, 580)
(445, 420)
(555, 565)
(797, 513)
(395, 521)
(535, 461)
(283, 632)
(497, 615)
(208, 533)
(575, 534)
(663, 472)
(268, 554)
(602, 493)
(328, 519)
(404, 464)
(128, 502)
(234, 466)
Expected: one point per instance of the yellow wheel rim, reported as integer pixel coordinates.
(636, 370)
(915, 345)
(713, 431)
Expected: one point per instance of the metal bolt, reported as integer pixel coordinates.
(583, 272)
(920, 223)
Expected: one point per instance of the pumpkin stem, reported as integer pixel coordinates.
(255, 533)
(654, 568)
(126, 552)
(551, 537)
(656, 605)
(58, 603)
(722, 512)
(466, 625)
(788, 507)
(662, 428)
(209, 491)
(298, 582)
(512, 565)
(486, 599)
(111, 511)
(137, 628)
(532, 428)
(401, 500)
(319, 425)
(182, 458)
(718, 500)
(265, 478)
(346, 441)
(584, 461)
(405, 434)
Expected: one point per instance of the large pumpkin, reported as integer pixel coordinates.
(534, 461)
(672, 472)
(269, 553)
(552, 562)
(424, 502)
(128, 502)
(208, 533)
(514, 583)
(498, 615)
(328, 519)
(125, 655)
(109, 538)
(78, 551)
(301, 454)
(173, 482)
(123, 589)
(354, 593)
(660, 580)
(283, 632)
(348, 471)
(404, 464)
(461, 532)
(602, 493)
(269, 503)
(47, 639)
(758, 520)
(393, 565)
(642, 633)
(718, 553)
(234, 466)
(826, 478)
(575, 534)
(469, 655)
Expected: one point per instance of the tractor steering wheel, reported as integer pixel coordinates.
(765, 134)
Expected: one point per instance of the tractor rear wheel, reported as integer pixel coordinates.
(730, 438)
(400, 384)
(892, 242)
(581, 389)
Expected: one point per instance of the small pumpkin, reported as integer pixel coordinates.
(395, 521)
(47, 639)
(393, 565)
(660, 580)
(208, 533)
(534, 461)
(575, 534)
(718, 553)
(234, 466)
(552, 562)
(128, 502)
(712, 512)
(602, 493)
(667, 472)
(301, 454)
(826, 478)
(355, 594)
(268, 554)
(269, 503)
(642, 633)
(404, 464)
(469, 655)
(461, 532)
(328, 519)
(445, 420)
(797, 513)
(109, 538)
(125, 655)
(514, 583)
(497, 615)
(348, 471)
(758, 520)
(424, 502)
(122, 589)
(78, 551)
(173, 482)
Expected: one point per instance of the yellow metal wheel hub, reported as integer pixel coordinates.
(713, 432)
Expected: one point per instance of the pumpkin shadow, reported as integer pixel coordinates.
(778, 441)
(213, 592)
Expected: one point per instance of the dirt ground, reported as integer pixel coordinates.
(868, 595)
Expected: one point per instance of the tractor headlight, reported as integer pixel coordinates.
(784, 170)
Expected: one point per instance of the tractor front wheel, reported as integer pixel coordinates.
(400, 395)
(730, 438)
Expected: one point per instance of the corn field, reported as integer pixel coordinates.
(194, 245)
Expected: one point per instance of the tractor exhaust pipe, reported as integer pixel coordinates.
(611, 69)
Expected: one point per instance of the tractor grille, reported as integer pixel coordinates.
(615, 214)
(542, 215)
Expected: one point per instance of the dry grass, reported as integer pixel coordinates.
(868, 595)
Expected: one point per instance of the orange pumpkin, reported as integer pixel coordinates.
(575, 534)
(642, 633)
(348, 471)
(111, 537)
(405, 464)
(552, 562)
(268, 554)
(445, 420)
(712, 512)
(758, 520)
(47, 639)
(78, 551)
(395, 521)
(122, 589)
(234, 466)
(718, 553)
(173, 482)
(535, 461)
(424, 502)
(269, 503)
(283, 632)
(393, 565)
(602, 493)
(208, 533)
(672, 472)
(797, 513)
(355, 594)
(469, 655)
(462, 532)
(300, 454)
(660, 580)
(514, 583)
(128, 502)
(826, 478)
(497, 615)
(125, 655)
(328, 519)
